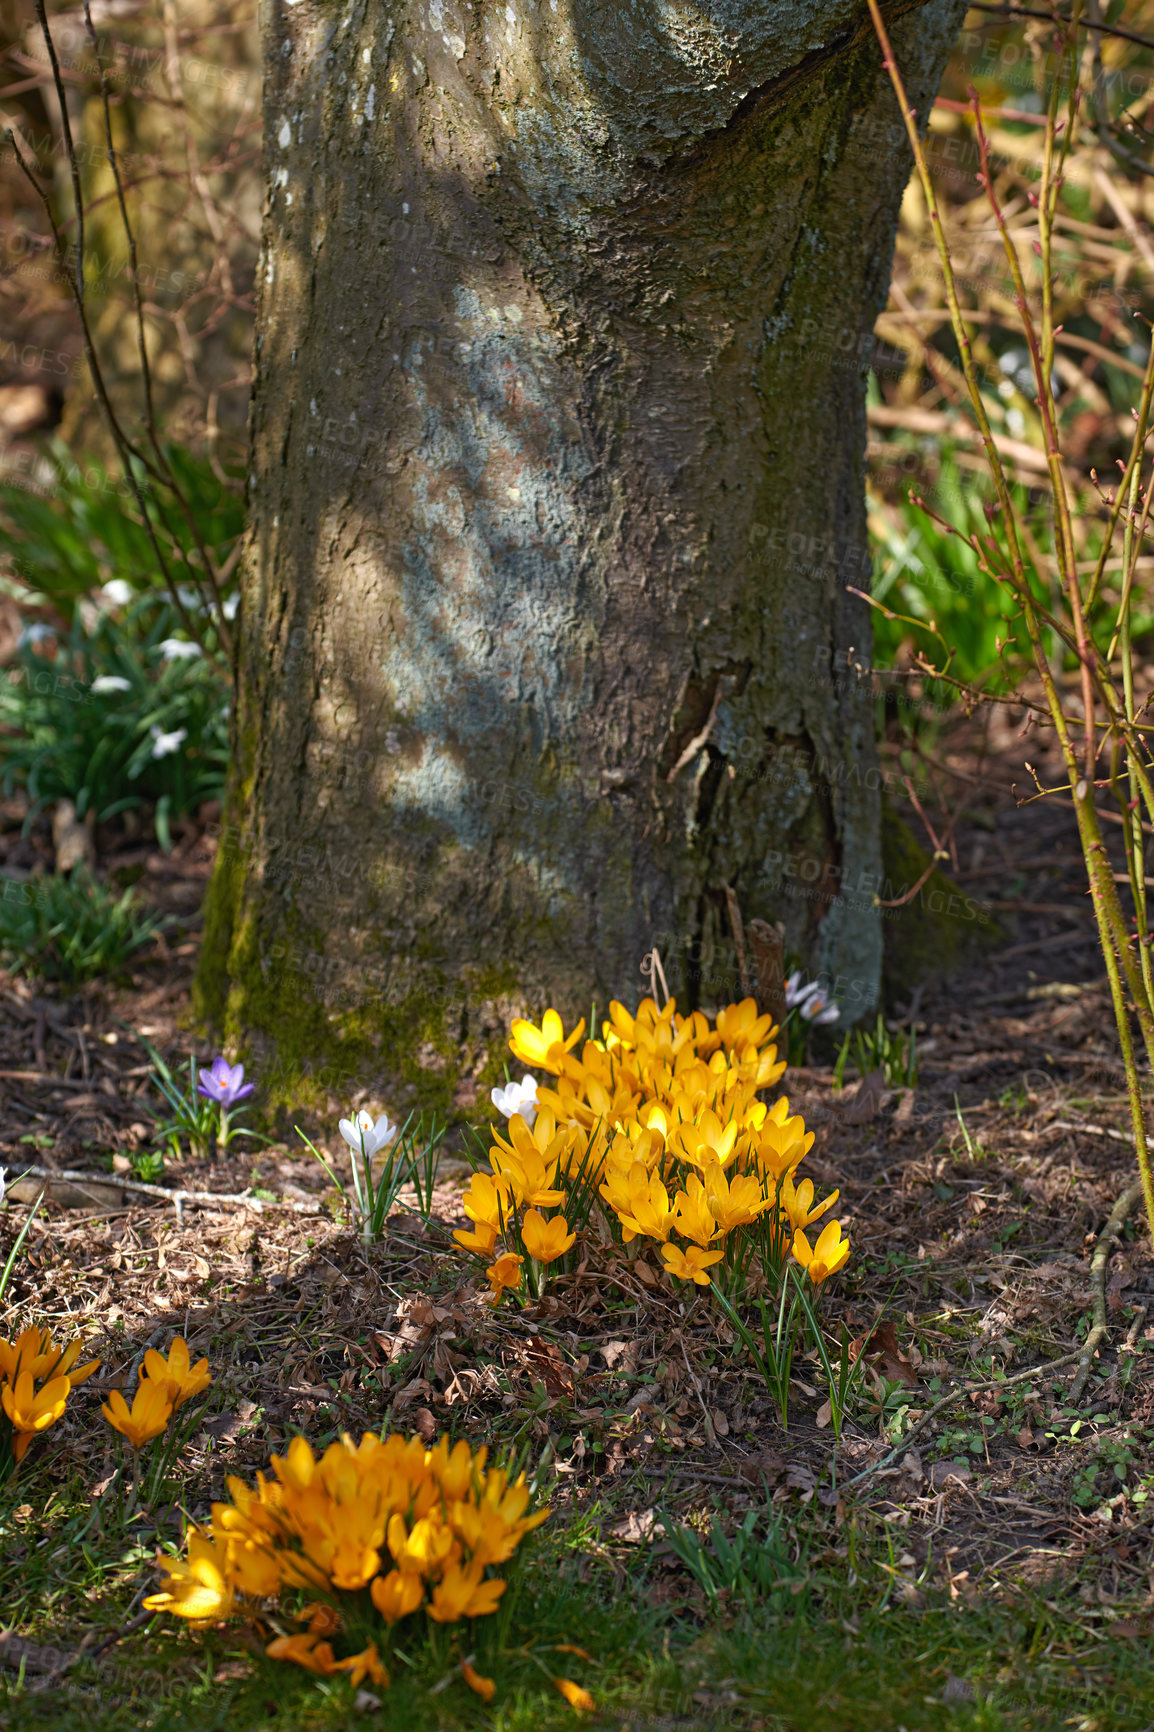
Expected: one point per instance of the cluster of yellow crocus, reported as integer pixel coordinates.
(36, 1379)
(165, 1385)
(663, 1115)
(421, 1529)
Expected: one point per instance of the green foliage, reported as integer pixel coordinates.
(928, 572)
(754, 1565)
(110, 719)
(976, 1151)
(409, 1158)
(71, 929)
(191, 1115)
(934, 577)
(18, 1246)
(894, 1053)
(90, 530)
(147, 1166)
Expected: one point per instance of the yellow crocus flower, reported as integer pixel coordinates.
(826, 1257)
(690, 1264)
(575, 1695)
(31, 1411)
(736, 1200)
(364, 1665)
(706, 1140)
(740, 1025)
(693, 1217)
(463, 1594)
(423, 1551)
(305, 1649)
(454, 1469)
(149, 1415)
(481, 1241)
(487, 1199)
(546, 1046)
(32, 1351)
(504, 1273)
(397, 1594)
(649, 1211)
(797, 1202)
(198, 1587)
(179, 1379)
(486, 1688)
(544, 1240)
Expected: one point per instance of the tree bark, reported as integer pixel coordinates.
(557, 484)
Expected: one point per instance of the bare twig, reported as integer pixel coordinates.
(1010, 9)
(1037, 1371)
(189, 516)
(1099, 1263)
(1127, 976)
(211, 1199)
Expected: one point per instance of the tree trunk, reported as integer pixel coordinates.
(557, 485)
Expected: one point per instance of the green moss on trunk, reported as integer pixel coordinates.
(939, 930)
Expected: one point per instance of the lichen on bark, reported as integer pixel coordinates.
(557, 487)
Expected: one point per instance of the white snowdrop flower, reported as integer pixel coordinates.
(360, 1132)
(517, 1098)
(117, 593)
(163, 744)
(230, 605)
(110, 683)
(179, 649)
(34, 634)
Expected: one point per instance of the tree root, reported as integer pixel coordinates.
(1099, 1263)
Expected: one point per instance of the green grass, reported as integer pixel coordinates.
(854, 1640)
(71, 929)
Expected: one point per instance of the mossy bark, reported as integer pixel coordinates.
(939, 930)
(556, 491)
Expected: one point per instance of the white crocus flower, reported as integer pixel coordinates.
(177, 649)
(110, 683)
(809, 1000)
(517, 1098)
(163, 744)
(361, 1131)
(117, 593)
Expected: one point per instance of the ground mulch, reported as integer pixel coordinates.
(975, 1202)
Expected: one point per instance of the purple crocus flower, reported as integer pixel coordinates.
(224, 1082)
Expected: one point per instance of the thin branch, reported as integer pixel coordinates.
(1011, 10)
(66, 129)
(931, 1413)
(189, 516)
(1099, 1263)
(124, 446)
(210, 1199)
